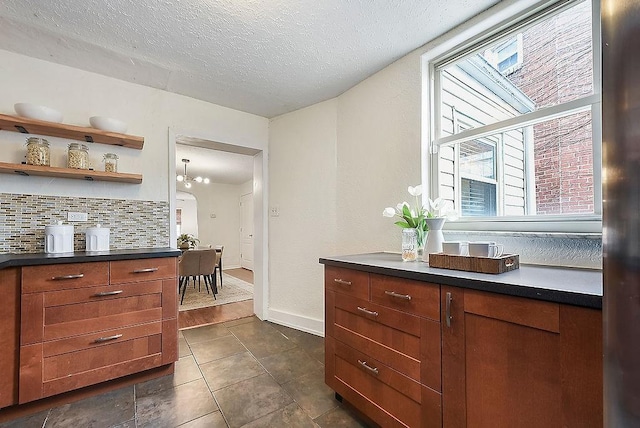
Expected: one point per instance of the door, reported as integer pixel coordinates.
(246, 231)
(514, 362)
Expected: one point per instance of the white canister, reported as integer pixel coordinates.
(58, 238)
(97, 238)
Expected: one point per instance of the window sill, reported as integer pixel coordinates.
(513, 234)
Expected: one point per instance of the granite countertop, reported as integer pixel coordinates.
(34, 259)
(580, 287)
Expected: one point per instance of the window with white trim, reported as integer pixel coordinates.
(516, 121)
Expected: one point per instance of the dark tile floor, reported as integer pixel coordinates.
(243, 373)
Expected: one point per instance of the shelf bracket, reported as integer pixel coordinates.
(21, 173)
(21, 129)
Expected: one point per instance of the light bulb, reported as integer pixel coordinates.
(187, 185)
(199, 179)
(206, 181)
(180, 178)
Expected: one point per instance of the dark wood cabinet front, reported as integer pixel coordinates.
(87, 323)
(383, 346)
(409, 353)
(509, 361)
(9, 336)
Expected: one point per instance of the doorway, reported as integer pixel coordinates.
(253, 218)
(246, 231)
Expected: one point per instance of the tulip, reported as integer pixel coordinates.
(415, 191)
(389, 212)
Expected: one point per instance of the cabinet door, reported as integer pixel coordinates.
(9, 335)
(509, 361)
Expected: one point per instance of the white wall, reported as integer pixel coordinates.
(378, 155)
(302, 185)
(223, 201)
(149, 112)
(336, 165)
(188, 204)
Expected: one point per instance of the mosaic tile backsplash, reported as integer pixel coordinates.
(133, 224)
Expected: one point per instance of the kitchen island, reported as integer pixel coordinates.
(411, 345)
(77, 323)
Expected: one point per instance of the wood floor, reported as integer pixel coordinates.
(222, 313)
(243, 274)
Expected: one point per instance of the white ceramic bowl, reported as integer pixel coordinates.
(33, 111)
(108, 124)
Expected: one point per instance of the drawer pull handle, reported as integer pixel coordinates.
(147, 270)
(364, 364)
(107, 293)
(447, 311)
(398, 295)
(367, 311)
(342, 281)
(76, 276)
(107, 338)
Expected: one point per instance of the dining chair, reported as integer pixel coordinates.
(188, 267)
(219, 250)
(208, 260)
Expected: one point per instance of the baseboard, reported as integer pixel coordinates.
(225, 267)
(298, 322)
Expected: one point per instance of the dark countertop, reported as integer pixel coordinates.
(34, 259)
(579, 287)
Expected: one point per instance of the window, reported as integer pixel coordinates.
(506, 57)
(515, 118)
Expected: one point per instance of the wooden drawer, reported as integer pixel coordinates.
(102, 293)
(406, 403)
(383, 373)
(64, 276)
(414, 297)
(80, 318)
(396, 320)
(124, 271)
(347, 281)
(42, 376)
(99, 339)
(388, 344)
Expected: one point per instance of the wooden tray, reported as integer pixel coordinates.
(502, 264)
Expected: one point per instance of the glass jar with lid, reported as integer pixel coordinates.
(37, 151)
(78, 156)
(110, 162)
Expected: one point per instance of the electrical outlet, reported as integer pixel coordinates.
(274, 211)
(73, 216)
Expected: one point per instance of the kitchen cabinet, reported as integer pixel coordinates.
(91, 135)
(509, 361)
(383, 346)
(415, 353)
(9, 335)
(86, 323)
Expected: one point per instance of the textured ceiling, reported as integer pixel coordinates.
(265, 57)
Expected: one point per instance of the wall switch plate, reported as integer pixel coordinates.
(274, 212)
(73, 216)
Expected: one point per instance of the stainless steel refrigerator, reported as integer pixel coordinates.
(621, 210)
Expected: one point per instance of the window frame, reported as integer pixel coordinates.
(479, 36)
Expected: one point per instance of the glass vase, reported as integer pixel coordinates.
(409, 245)
(435, 238)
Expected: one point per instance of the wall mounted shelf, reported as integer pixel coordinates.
(72, 132)
(78, 174)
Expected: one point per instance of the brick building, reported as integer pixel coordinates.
(544, 168)
(556, 67)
